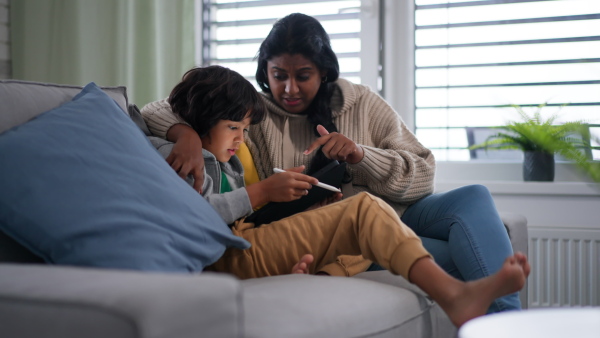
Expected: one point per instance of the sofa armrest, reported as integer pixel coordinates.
(52, 301)
(516, 225)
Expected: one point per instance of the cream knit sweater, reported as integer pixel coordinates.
(396, 167)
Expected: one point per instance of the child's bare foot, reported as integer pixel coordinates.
(474, 298)
(302, 265)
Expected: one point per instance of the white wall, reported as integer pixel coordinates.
(567, 203)
(563, 223)
(5, 69)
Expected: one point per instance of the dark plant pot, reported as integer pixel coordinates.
(538, 166)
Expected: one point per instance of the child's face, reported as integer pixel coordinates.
(224, 139)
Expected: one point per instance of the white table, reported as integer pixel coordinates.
(581, 322)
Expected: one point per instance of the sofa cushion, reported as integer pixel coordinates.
(81, 185)
(371, 304)
(24, 100)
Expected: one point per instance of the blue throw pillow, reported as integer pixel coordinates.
(81, 185)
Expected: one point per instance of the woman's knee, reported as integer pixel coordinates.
(475, 189)
(474, 192)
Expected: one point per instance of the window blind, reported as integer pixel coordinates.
(232, 31)
(474, 58)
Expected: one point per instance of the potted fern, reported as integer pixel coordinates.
(540, 139)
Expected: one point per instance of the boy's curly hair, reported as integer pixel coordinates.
(206, 95)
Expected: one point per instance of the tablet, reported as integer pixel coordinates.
(332, 174)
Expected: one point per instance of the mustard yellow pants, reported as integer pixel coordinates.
(362, 224)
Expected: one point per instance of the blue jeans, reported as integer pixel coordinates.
(463, 231)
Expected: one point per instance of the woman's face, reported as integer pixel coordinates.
(294, 81)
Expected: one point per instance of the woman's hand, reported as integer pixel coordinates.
(186, 157)
(282, 187)
(336, 147)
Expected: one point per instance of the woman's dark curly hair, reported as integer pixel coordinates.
(206, 95)
(302, 34)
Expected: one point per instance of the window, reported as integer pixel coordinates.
(472, 58)
(232, 31)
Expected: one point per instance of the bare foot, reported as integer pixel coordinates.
(302, 266)
(474, 298)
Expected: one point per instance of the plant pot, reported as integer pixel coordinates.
(538, 166)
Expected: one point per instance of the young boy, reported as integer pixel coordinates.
(220, 105)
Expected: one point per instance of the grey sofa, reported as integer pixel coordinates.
(41, 300)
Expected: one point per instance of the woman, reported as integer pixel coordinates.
(309, 107)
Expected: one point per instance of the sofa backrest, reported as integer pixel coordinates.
(21, 102)
(24, 100)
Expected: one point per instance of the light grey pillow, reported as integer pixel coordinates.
(24, 100)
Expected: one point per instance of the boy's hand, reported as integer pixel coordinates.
(289, 185)
(281, 187)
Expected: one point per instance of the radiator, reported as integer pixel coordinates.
(565, 268)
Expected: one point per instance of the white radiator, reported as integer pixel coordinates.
(565, 268)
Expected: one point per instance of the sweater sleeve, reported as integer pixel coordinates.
(397, 166)
(231, 205)
(159, 117)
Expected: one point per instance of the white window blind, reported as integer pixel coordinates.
(232, 31)
(473, 58)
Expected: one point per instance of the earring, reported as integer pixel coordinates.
(323, 80)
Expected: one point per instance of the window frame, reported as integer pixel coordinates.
(370, 36)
